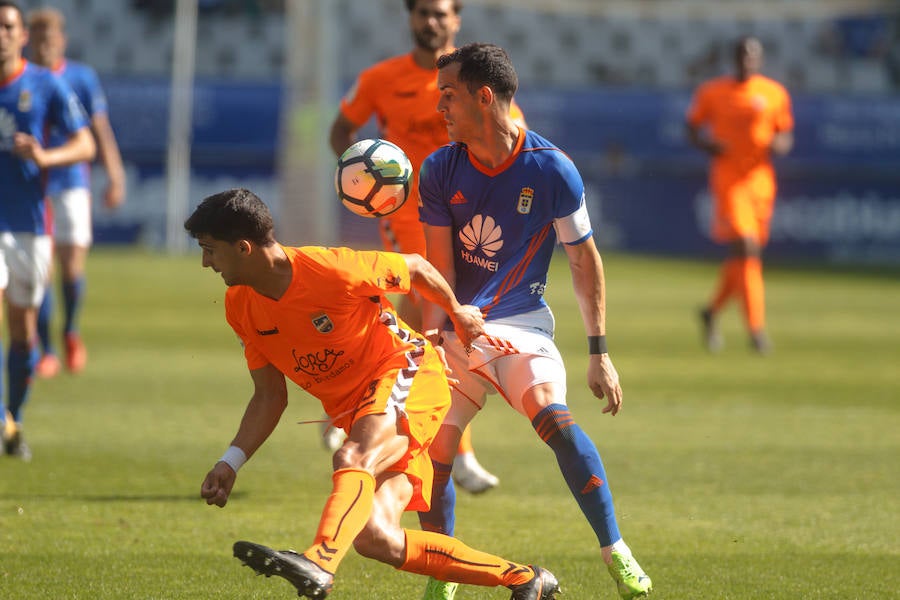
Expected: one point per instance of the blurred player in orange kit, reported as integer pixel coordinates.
(402, 94)
(320, 317)
(741, 121)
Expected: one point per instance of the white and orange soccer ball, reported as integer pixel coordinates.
(372, 178)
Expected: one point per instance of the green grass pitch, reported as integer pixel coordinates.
(735, 476)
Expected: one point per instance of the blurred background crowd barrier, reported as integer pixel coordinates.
(608, 81)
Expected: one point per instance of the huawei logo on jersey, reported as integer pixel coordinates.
(481, 236)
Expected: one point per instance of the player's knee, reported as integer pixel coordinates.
(366, 543)
(374, 542)
(538, 398)
(375, 458)
(348, 456)
(445, 443)
(744, 247)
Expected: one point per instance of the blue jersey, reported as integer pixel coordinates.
(502, 219)
(31, 101)
(84, 82)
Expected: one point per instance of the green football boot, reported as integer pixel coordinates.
(629, 576)
(439, 590)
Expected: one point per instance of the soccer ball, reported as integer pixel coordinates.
(372, 178)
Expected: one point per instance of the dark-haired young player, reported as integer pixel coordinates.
(494, 204)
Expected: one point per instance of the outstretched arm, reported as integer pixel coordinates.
(590, 290)
(260, 418)
(439, 248)
(428, 281)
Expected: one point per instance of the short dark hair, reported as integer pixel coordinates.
(13, 5)
(484, 64)
(233, 215)
(457, 6)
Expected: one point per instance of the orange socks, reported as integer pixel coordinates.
(729, 282)
(754, 295)
(742, 277)
(448, 559)
(344, 516)
(348, 509)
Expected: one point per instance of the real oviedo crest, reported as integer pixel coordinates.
(526, 197)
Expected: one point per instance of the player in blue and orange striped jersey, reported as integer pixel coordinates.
(32, 100)
(320, 317)
(69, 189)
(494, 204)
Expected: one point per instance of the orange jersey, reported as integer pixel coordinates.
(743, 117)
(403, 97)
(333, 332)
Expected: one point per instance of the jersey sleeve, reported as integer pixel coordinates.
(698, 111)
(95, 102)
(574, 228)
(367, 273)
(433, 208)
(784, 116)
(571, 219)
(66, 111)
(571, 187)
(358, 104)
(233, 309)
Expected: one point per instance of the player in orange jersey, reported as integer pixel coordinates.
(320, 317)
(741, 122)
(402, 94)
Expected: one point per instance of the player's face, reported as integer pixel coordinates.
(47, 45)
(222, 257)
(457, 105)
(13, 35)
(749, 57)
(434, 24)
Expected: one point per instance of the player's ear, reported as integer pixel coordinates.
(244, 247)
(485, 95)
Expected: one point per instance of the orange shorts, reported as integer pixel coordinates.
(743, 207)
(422, 407)
(402, 231)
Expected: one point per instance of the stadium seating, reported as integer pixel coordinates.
(672, 48)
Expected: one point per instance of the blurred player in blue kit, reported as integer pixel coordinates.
(494, 203)
(32, 100)
(69, 189)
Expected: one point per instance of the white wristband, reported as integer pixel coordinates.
(234, 457)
